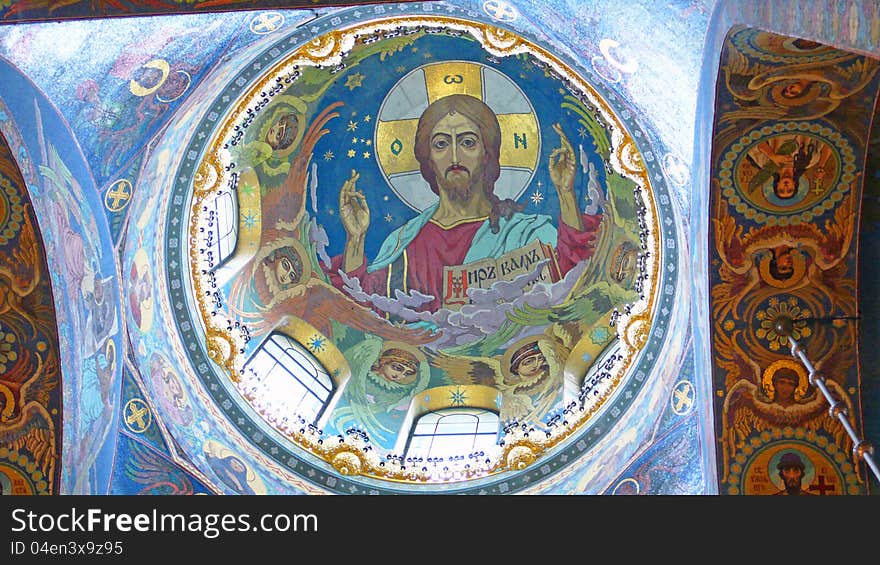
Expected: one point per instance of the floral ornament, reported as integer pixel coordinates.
(7, 354)
(788, 309)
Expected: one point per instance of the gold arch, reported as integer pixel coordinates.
(326, 353)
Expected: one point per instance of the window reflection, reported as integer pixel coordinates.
(283, 377)
(453, 431)
(221, 233)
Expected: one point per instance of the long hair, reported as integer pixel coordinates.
(490, 132)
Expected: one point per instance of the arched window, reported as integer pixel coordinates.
(451, 421)
(221, 233)
(453, 431)
(598, 376)
(287, 379)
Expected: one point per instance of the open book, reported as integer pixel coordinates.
(483, 273)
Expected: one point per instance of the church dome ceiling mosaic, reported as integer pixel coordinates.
(417, 251)
(469, 247)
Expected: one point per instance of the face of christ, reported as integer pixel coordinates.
(457, 155)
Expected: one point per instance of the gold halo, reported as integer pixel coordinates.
(394, 137)
(140, 90)
(182, 92)
(218, 451)
(110, 351)
(803, 379)
(417, 353)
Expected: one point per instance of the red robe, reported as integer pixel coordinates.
(436, 247)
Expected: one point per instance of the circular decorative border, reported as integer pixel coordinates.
(751, 211)
(650, 336)
(140, 414)
(118, 195)
(627, 484)
(683, 398)
(789, 436)
(26, 469)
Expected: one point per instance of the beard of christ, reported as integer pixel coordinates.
(458, 182)
(490, 134)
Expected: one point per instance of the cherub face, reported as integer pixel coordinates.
(786, 188)
(793, 90)
(285, 267)
(531, 365)
(397, 371)
(784, 261)
(785, 388)
(282, 132)
(528, 362)
(286, 272)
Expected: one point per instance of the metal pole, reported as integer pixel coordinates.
(861, 448)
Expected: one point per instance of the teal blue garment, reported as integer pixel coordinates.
(520, 230)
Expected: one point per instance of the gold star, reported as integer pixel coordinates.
(400, 69)
(328, 155)
(367, 118)
(352, 125)
(366, 154)
(368, 142)
(354, 81)
(354, 140)
(351, 153)
(389, 217)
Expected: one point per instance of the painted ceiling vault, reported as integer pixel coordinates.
(477, 247)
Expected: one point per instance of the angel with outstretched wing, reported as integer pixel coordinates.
(475, 370)
(528, 374)
(777, 397)
(738, 274)
(793, 92)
